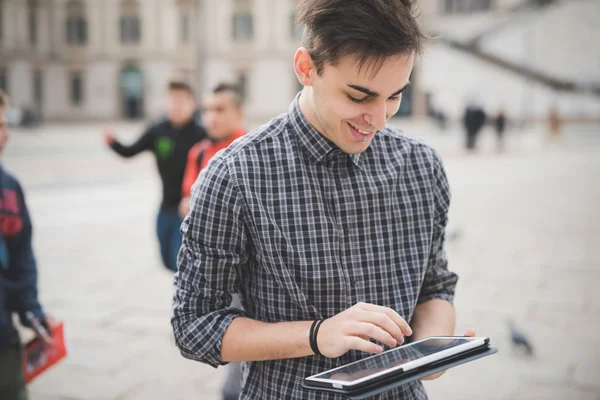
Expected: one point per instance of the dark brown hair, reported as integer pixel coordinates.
(3, 99)
(177, 84)
(368, 31)
(231, 88)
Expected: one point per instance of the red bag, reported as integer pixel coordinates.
(38, 356)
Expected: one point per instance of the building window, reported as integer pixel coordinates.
(131, 31)
(38, 91)
(76, 88)
(32, 21)
(242, 27)
(187, 15)
(76, 23)
(4, 79)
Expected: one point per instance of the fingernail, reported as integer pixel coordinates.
(401, 340)
(393, 343)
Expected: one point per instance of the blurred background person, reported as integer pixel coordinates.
(18, 275)
(222, 118)
(170, 140)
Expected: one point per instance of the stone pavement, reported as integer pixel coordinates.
(523, 237)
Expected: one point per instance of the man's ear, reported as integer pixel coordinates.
(304, 67)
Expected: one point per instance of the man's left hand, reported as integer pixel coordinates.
(468, 333)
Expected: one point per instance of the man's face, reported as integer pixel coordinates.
(3, 130)
(222, 115)
(344, 99)
(180, 106)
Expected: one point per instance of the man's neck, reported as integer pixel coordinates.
(221, 140)
(306, 108)
(179, 125)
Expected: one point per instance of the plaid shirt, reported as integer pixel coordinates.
(302, 231)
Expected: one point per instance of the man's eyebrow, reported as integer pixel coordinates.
(371, 93)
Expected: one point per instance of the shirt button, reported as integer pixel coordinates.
(352, 282)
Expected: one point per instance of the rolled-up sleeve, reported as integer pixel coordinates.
(439, 282)
(213, 250)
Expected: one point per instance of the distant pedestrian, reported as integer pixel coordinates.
(500, 126)
(554, 123)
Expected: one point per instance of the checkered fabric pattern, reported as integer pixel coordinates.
(301, 231)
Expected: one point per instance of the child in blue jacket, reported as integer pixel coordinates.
(18, 275)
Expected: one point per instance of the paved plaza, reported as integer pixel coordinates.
(523, 236)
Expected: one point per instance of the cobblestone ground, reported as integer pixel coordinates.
(523, 237)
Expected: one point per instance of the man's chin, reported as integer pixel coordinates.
(362, 147)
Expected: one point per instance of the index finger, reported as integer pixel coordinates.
(394, 316)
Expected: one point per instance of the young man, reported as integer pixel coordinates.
(18, 274)
(170, 140)
(222, 117)
(323, 213)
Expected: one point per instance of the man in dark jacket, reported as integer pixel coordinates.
(18, 275)
(170, 140)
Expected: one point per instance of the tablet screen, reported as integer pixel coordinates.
(391, 359)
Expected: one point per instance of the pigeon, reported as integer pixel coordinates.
(519, 340)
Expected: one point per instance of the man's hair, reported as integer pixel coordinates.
(232, 88)
(178, 84)
(3, 99)
(368, 31)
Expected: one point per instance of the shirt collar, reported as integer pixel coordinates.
(316, 146)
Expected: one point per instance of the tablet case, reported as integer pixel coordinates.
(392, 383)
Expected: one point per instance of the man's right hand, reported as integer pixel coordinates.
(352, 329)
(108, 137)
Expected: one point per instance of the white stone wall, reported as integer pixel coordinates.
(270, 88)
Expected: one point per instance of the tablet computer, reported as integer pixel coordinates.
(396, 362)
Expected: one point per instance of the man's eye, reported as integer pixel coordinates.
(359, 101)
(396, 98)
